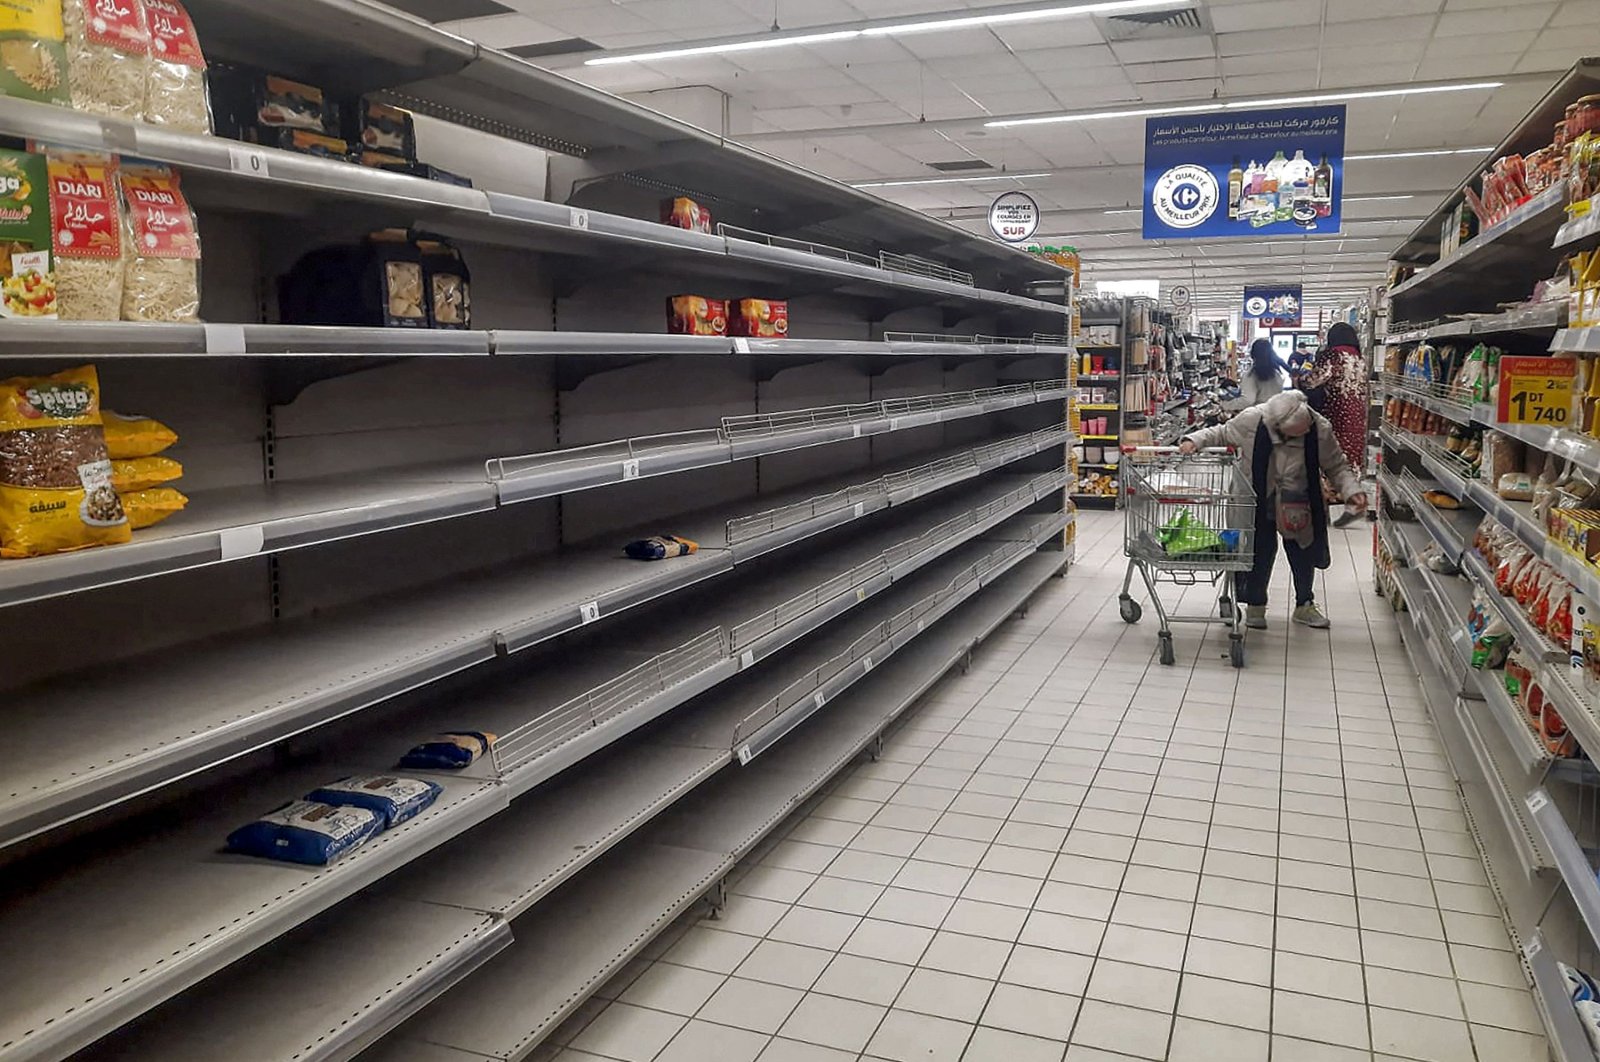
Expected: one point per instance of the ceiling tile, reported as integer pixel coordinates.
(450, 10)
(1354, 35)
(1062, 33)
(1270, 62)
(1356, 10)
(1276, 14)
(1254, 43)
(1577, 13)
(1503, 18)
(1154, 51)
(955, 43)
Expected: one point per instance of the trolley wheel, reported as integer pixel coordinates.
(1130, 610)
(1236, 652)
(1167, 655)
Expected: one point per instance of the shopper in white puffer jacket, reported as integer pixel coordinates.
(1266, 377)
(1285, 447)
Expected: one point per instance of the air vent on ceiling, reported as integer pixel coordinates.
(565, 46)
(1156, 25)
(450, 10)
(961, 166)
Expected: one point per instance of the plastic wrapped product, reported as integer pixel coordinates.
(146, 508)
(1558, 740)
(108, 56)
(392, 799)
(175, 95)
(162, 275)
(1589, 1018)
(55, 477)
(450, 751)
(685, 213)
(306, 832)
(449, 284)
(143, 473)
(129, 436)
(87, 235)
(33, 51)
(660, 547)
(1580, 984)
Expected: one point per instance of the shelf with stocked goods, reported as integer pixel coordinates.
(401, 450)
(1491, 452)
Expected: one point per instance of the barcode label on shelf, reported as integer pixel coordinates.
(747, 659)
(248, 160)
(861, 593)
(861, 509)
(866, 663)
(819, 699)
(579, 219)
(589, 613)
(225, 339)
(745, 755)
(894, 423)
(1533, 947)
(1537, 801)
(236, 542)
(856, 431)
(921, 626)
(630, 469)
(741, 345)
(118, 136)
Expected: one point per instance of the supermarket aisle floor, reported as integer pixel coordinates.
(1073, 853)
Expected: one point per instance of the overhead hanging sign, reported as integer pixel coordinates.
(1244, 173)
(1179, 296)
(1014, 217)
(1275, 305)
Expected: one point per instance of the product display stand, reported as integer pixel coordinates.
(1106, 335)
(393, 533)
(1466, 495)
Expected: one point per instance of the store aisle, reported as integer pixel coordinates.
(1073, 853)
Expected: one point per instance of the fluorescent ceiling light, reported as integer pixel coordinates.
(1420, 154)
(784, 40)
(949, 180)
(1129, 210)
(1278, 101)
(1375, 198)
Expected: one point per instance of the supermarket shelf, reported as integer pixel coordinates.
(249, 902)
(1580, 228)
(1528, 749)
(1569, 859)
(1553, 995)
(1534, 319)
(1506, 797)
(222, 700)
(117, 340)
(1446, 401)
(1099, 438)
(569, 945)
(1099, 377)
(1098, 405)
(1494, 263)
(1400, 339)
(233, 174)
(1585, 340)
(1570, 445)
(236, 523)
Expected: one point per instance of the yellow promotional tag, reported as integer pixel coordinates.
(1537, 391)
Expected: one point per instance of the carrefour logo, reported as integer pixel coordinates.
(1185, 196)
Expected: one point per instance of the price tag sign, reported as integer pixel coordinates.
(1537, 391)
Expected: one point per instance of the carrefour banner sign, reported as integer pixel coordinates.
(1244, 173)
(1275, 306)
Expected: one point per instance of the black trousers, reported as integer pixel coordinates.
(1253, 587)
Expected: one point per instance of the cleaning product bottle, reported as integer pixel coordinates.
(1235, 189)
(1322, 188)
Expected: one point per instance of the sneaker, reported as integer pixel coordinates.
(1255, 617)
(1309, 615)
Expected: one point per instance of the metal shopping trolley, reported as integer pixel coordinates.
(1189, 518)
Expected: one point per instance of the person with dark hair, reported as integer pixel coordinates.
(1336, 387)
(1266, 375)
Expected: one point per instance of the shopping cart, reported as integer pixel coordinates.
(1189, 518)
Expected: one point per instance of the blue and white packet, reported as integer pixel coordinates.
(1579, 984)
(1589, 1018)
(391, 798)
(306, 832)
(450, 751)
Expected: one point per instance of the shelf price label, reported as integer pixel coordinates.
(1537, 391)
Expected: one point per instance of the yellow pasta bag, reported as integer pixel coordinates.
(146, 508)
(55, 475)
(142, 473)
(129, 437)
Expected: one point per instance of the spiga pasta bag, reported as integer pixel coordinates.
(55, 477)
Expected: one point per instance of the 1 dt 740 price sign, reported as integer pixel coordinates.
(1537, 391)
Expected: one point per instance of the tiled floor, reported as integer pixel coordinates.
(1073, 854)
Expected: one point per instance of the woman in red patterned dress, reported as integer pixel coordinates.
(1337, 388)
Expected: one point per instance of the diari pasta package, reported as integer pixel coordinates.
(175, 94)
(161, 280)
(55, 475)
(87, 235)
(108, 56)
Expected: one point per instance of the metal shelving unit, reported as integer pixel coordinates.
(1531, 811)
(392, 533)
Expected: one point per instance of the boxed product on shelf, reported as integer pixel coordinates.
(27, 273)
(696, 315)
(306, 142)
(87, 235)
(161, 278)
(250, 104)
(55, 471)
(392, 279)
(684, 213)
(176, 95)
(108, 57)
(449, 284)
(382, 128)
(394, 164)
(759, 318)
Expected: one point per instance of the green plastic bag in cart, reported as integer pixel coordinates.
(1184, 536)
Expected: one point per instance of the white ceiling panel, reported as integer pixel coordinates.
(1257, 42)
(1275, 14)
(1065, 33)
(1353, 35)
(1499, 18)
(1297, 62)
(1155, 51)
(1577, 13)
(1357, 10)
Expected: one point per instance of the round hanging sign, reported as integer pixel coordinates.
(1179, 296)
(1014, 217)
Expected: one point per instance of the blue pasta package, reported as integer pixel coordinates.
(392, 798)
(307, 832)
(450, 751)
